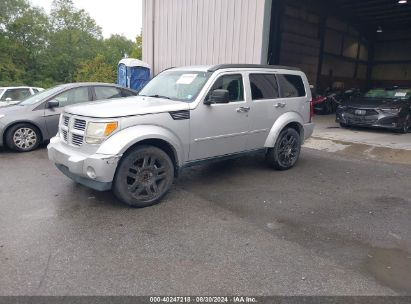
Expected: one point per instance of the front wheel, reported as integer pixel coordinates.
(286, 151)
(143, 177)
(23, 137)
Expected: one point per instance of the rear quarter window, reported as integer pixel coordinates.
(291, 86)
(263, 86)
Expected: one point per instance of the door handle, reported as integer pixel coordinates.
(243, 109)
(280, 105)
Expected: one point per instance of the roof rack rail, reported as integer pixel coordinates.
(250, 66)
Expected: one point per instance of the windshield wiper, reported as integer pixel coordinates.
(157, 96)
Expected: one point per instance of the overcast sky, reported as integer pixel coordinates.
(114, 16)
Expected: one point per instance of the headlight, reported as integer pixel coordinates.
(391, 110)
(98, 131)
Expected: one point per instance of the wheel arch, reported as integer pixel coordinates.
(14, 123)
(288, 120)
(121, 142)
(162, 145)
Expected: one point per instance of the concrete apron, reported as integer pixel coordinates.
(385, 154)
(372, 144)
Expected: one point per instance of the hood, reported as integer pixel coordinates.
(12, 109)
(129, 106)
(372, 103)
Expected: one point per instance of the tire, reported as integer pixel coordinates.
(23, 137)
(143, 176)
(406, 127)
(343, 125)
(286, 150)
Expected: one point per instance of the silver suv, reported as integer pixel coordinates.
(184, 116)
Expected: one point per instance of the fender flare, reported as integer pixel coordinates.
(280, 123)
(121, 141)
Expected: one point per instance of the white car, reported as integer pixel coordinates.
(13, 95)
(184, 116)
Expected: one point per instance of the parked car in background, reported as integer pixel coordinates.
(25, 125)
(182, 117)
(328, 101)
(388, 108)
(12, 95)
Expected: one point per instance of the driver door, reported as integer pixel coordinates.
(220, 129)
(69, 97)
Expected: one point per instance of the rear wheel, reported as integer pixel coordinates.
(406, 126)
(23, 137)
(143, 177)
(286, 151)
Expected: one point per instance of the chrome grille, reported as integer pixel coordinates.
(65, 135)
(79, 124)
(66, 120)
(76, 139)
(72, 130)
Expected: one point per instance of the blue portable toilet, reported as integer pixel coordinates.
(133, 73)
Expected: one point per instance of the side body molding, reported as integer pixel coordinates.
(121, 141)
(280, 123)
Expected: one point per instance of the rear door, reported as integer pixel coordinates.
(66, 98)
(106, 92)
(264, 111)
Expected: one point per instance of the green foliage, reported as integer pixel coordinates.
(137, 51)
(95, 69)
(65, 46)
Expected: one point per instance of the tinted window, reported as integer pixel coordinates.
(233, 84)
(263, 86)
(291, 86)
(73, 96)
(107, 92)
(16, 94)
(127, 93)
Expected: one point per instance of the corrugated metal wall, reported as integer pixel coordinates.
(192, 32)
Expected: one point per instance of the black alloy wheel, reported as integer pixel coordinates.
(286, 151)
(144, 176)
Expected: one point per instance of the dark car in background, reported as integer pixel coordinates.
(25, 125)
(388, 108)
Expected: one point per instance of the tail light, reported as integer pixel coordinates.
(311, 110)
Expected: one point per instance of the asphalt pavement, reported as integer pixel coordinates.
(333, 225)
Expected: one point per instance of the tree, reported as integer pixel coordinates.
(115, 48)
(65, 16)
(23, 37)
(137, 51)
(75, 38)
(95, 69)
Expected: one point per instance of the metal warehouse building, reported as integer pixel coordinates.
(356, 43)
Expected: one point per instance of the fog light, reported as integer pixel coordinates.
(91, 173)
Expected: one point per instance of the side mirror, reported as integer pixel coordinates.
(52, 104)
(8, 99)
(218, 96)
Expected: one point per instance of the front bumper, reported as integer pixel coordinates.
(386, 121)
(76, 165)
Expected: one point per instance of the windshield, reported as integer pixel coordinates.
(176, 85)
(40, 96)
(388, 93)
